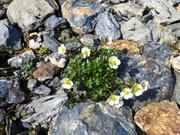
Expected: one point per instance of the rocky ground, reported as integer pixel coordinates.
(33, 100)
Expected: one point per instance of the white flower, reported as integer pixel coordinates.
(62, 49)
(145, 85)
(114, 62)
(86, 52)
(137, 89)
(115, 101)
(66, 83)
(126, 93)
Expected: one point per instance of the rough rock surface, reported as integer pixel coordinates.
(10, 37)
(107, 26)
(159, 118)
(135, 30)
(41, 111)
(80, 14)
(29, 14)
(94, 119)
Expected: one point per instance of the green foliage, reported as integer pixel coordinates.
(27, 69)
(42, 51)
(94, 75)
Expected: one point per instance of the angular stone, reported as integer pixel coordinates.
(135, 30)
(80, 14)
(31, 84)
(41, 111)
(175, 63)
(89, 39)
(10, 37)
(45, 72)
(29, 14)
(107, 26)
(123, 45)
(42, 90)
(57, 60)
(159, 118)
(21, 59)
(94, 119)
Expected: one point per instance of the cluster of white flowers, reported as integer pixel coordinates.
(128, 93)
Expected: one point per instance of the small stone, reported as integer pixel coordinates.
(10, 36)
(159, 118)
(89, 39)
(81, 14)
(107, 26)
(21, 59)
(53, 22)
(130, 46)
(29, 14)
(72, 45)
(50, 43)
(135, 30)
(42, 90)
(31, 84)
(118, 1)
(45, 72)
(57, 60)
(55, 83)
(175, 63)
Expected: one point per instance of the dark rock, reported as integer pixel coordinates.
(81, 14)
(42, 90)
(2, 115)
(94, 119)
(107, 26)
(41, 111)
(53, 22)
(51, 43)
(10, 36)
(10, 92)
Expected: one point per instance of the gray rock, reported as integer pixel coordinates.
(162, 10)
(51, 43)
(31, 84)
(81, 14)
(94, 119)
(89, 39)
(55, 83)
(10, 37)
(10, 92)
(42, 90)
(135, 30)
(29, 14)
(107, 26)
(41, 111)
(21, 59)
(72, 45)
(176, 92)
(2, 115)
(174, 29)
(53, 22)
(153, 69)
(160, 53)
(118, 1)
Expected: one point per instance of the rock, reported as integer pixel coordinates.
(21, 59)
(55, 83)
(176, 92)
(130, 46)
(72, 45)
(29, 14)
(89, 39)
(175, 63)
(127, 10)
(57, 60)
(174, 29)
(154, 70)
(118, 1)
(51, 43)
(107, 26)
(10, 37)
(10, 92)
(45, 72)
(31, 84)
(160, 53)
(42, 90)
(2, 115)
(41, 111)
(53, 22)
(94, 119)
(81, 14)
(163, 11)
(135, 30)
(159, 118)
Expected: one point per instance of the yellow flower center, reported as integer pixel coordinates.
(112, 63)
(62, 50)
(113, 98)
(143, 84)
(67, 82)
(86, 52)
(126, 93)
(135, 88)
